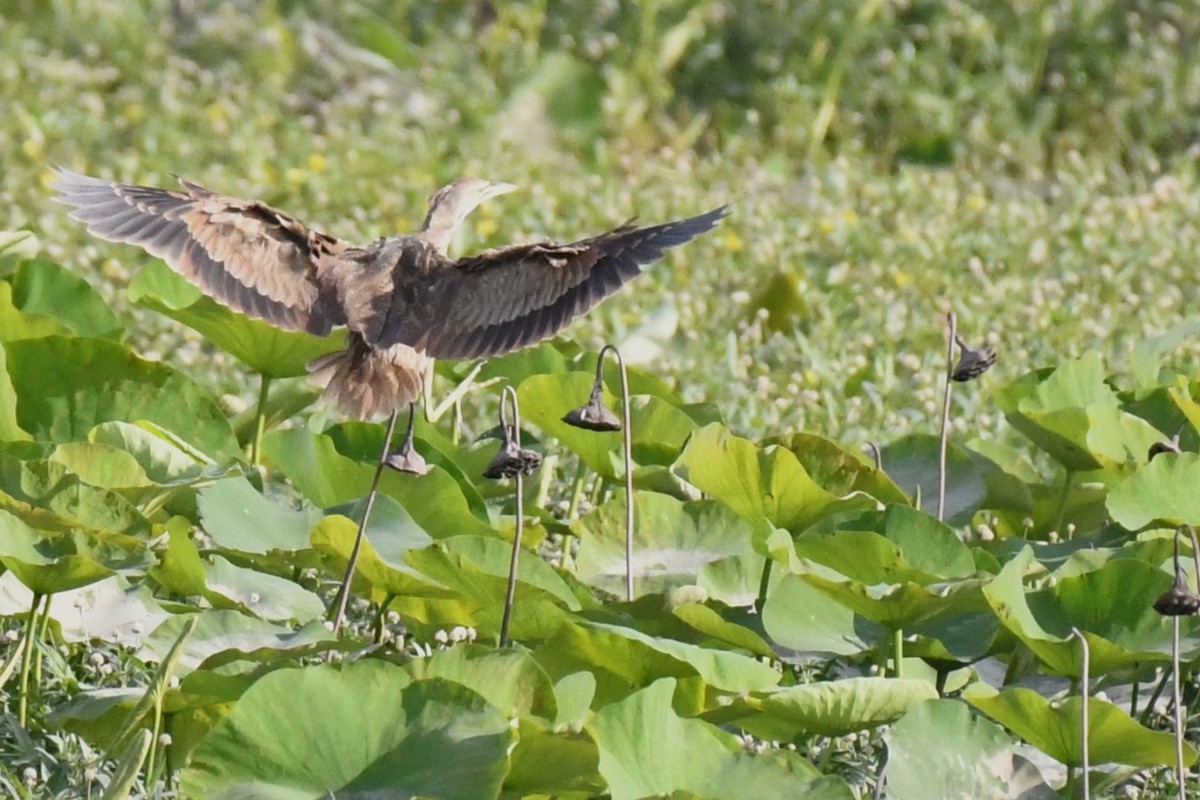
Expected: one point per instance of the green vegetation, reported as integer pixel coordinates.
(803, 625)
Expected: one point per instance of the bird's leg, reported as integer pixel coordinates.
(343, 594)
(407, 459)
(463, 386)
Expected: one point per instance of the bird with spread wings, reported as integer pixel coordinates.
(403, 299)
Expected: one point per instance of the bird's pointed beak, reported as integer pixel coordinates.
(496, 189)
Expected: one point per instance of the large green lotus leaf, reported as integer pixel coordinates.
(49, 497)
(265, 596)
(380, 570)
(833, 708)
(44, 287)
(838, 470)
(552, 763)
(882, 586)
(953, 639)
(672, 542)
(362, 441)
(1075, 416)
(733, 580)
(941, 749)
(718, 629)
(110, 609)
(17, 324)
(162, 459)
(1112, 606)
(658, 428)
(972, 480)
(426, 739)
(264, 348)
(238, 517)
(49, 562)
(311, 461)
(802, 618)
(926, 543)
(222, 636)
(95, 381)
(1056, 729)
(101, 465)
(554, 355)
(94, 714)
(623, 659)
(10, 430)
(647, 750)
(180, 569)
(477, 592)
(1162, 492)
(760, 485)
(493, 556)
(510, 680)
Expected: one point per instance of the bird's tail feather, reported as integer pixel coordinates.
(365, 382)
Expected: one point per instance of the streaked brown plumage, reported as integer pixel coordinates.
(404, 300)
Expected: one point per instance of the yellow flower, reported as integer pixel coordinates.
(826, 225)
(133, 112)
(849, 216)
(316, 163)
(732, 242)
(295, 176)
(34, 148)
(976, 201)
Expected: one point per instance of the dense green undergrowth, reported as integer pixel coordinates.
(166, 570)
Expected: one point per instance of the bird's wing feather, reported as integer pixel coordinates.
(244, 254)
(504, 299)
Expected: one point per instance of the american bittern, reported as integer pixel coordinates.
(404, 300)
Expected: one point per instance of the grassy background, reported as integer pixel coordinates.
(1030, 165)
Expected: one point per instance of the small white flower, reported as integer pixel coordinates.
(164, 740)
(441, 637)
(12, 635)
(30, 776)
(458, 634)
(96, 659)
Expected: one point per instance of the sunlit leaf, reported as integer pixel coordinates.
(647, 750)
(224, 636)
(672, 542)
(1162, 491)
(95, 381)
(1055, 728)
(941, 749)
(429, 738)
(44, 287)
(264, 348)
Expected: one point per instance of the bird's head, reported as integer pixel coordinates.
(451, 204)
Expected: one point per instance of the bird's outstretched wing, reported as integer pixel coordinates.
(243, 254)
(508, 298)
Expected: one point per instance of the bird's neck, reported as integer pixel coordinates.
(439, 230)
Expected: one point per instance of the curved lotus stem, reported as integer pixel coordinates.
(627, 434)
(1086, 695)
(510, 394)
(951, 333)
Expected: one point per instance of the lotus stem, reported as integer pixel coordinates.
(627, 435)
(260, 424)
(764, 585)
(510, 594)
(576, 491)
(343, 594)
(43, 627)
(1180, 772)
(27, 660)
(1085, 694)
(898, 652)
(951, 333)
